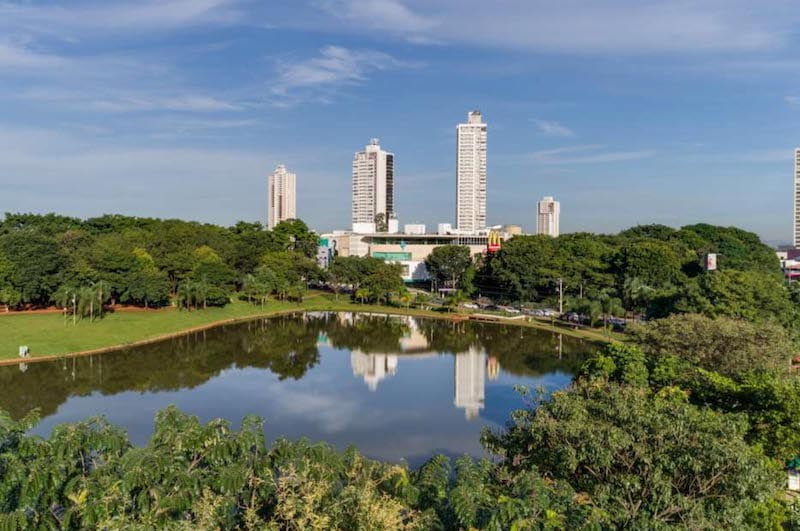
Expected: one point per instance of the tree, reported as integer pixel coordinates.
(749, 295)
(385, 283)
(294, 235)
(654, 263)
(728, 346)
(33, 264)
(381, 223)
(449, 264)
(637, 295)
(645, 459)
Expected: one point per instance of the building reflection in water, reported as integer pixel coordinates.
(373, 367)
(471, 368)
(470, 382)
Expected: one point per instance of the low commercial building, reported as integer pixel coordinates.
(409, 250)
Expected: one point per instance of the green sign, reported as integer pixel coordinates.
(392, 257)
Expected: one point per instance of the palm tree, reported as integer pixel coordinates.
(455, 299)
(637, 294)
(187, 294)
(611, 306)
(250, 287)
(102, 290)
(362, 294)
(406, 299)
(421, 299)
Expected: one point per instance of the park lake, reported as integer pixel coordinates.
(395, 387)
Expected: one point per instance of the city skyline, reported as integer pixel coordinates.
(595, 103)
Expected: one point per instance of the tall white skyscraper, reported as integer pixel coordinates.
(470, 381)
(373, 184)
(796, 224)
(282, 195)
(471, 173)
(549, 212)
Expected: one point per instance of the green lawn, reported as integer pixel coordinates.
(50, 334)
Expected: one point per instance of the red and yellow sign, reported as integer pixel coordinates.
(494, 242)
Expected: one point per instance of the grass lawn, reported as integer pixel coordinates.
(50, 334)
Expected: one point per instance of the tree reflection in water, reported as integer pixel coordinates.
(288, 346)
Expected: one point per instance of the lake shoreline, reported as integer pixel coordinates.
(312, 305)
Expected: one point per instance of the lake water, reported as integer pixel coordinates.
(396, 387)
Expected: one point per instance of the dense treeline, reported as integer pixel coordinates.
(648, 270)
(643, 439)
(51, 259)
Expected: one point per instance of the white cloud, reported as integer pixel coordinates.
(792, 101)
(114, 15)
(319, 77)
(548, 128)
(586, 154)
(15, 56)
(387, 15)
(186, 103)
(583, 26)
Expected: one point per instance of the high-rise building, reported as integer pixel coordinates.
(471, 174)
(282, 195)
(796, 224)
(549, 212)
(373, 185)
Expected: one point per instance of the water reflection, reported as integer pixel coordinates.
(394, 386)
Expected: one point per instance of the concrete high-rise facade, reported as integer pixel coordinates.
(796, 224)
(373, 185)
(282, 194)
(548, 214)
(471, 173)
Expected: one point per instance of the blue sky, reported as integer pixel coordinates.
(627, 111)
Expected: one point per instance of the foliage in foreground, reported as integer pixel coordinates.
(88, 475)
(596, 457)
(647, 459)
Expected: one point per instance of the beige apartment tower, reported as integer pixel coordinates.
(373, 185)
(796, 224)
(282, 193)
(548, 214)
(471, 174)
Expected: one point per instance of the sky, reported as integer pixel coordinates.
(627, 111)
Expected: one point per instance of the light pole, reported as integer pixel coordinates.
(561, 296)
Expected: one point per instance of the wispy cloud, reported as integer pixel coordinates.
(321, 76)
(548, 128)
(186, 103)
(16, 56)
(792, 101)
(629, 26)
(586, 154)
(114, 15)
(386, 15)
